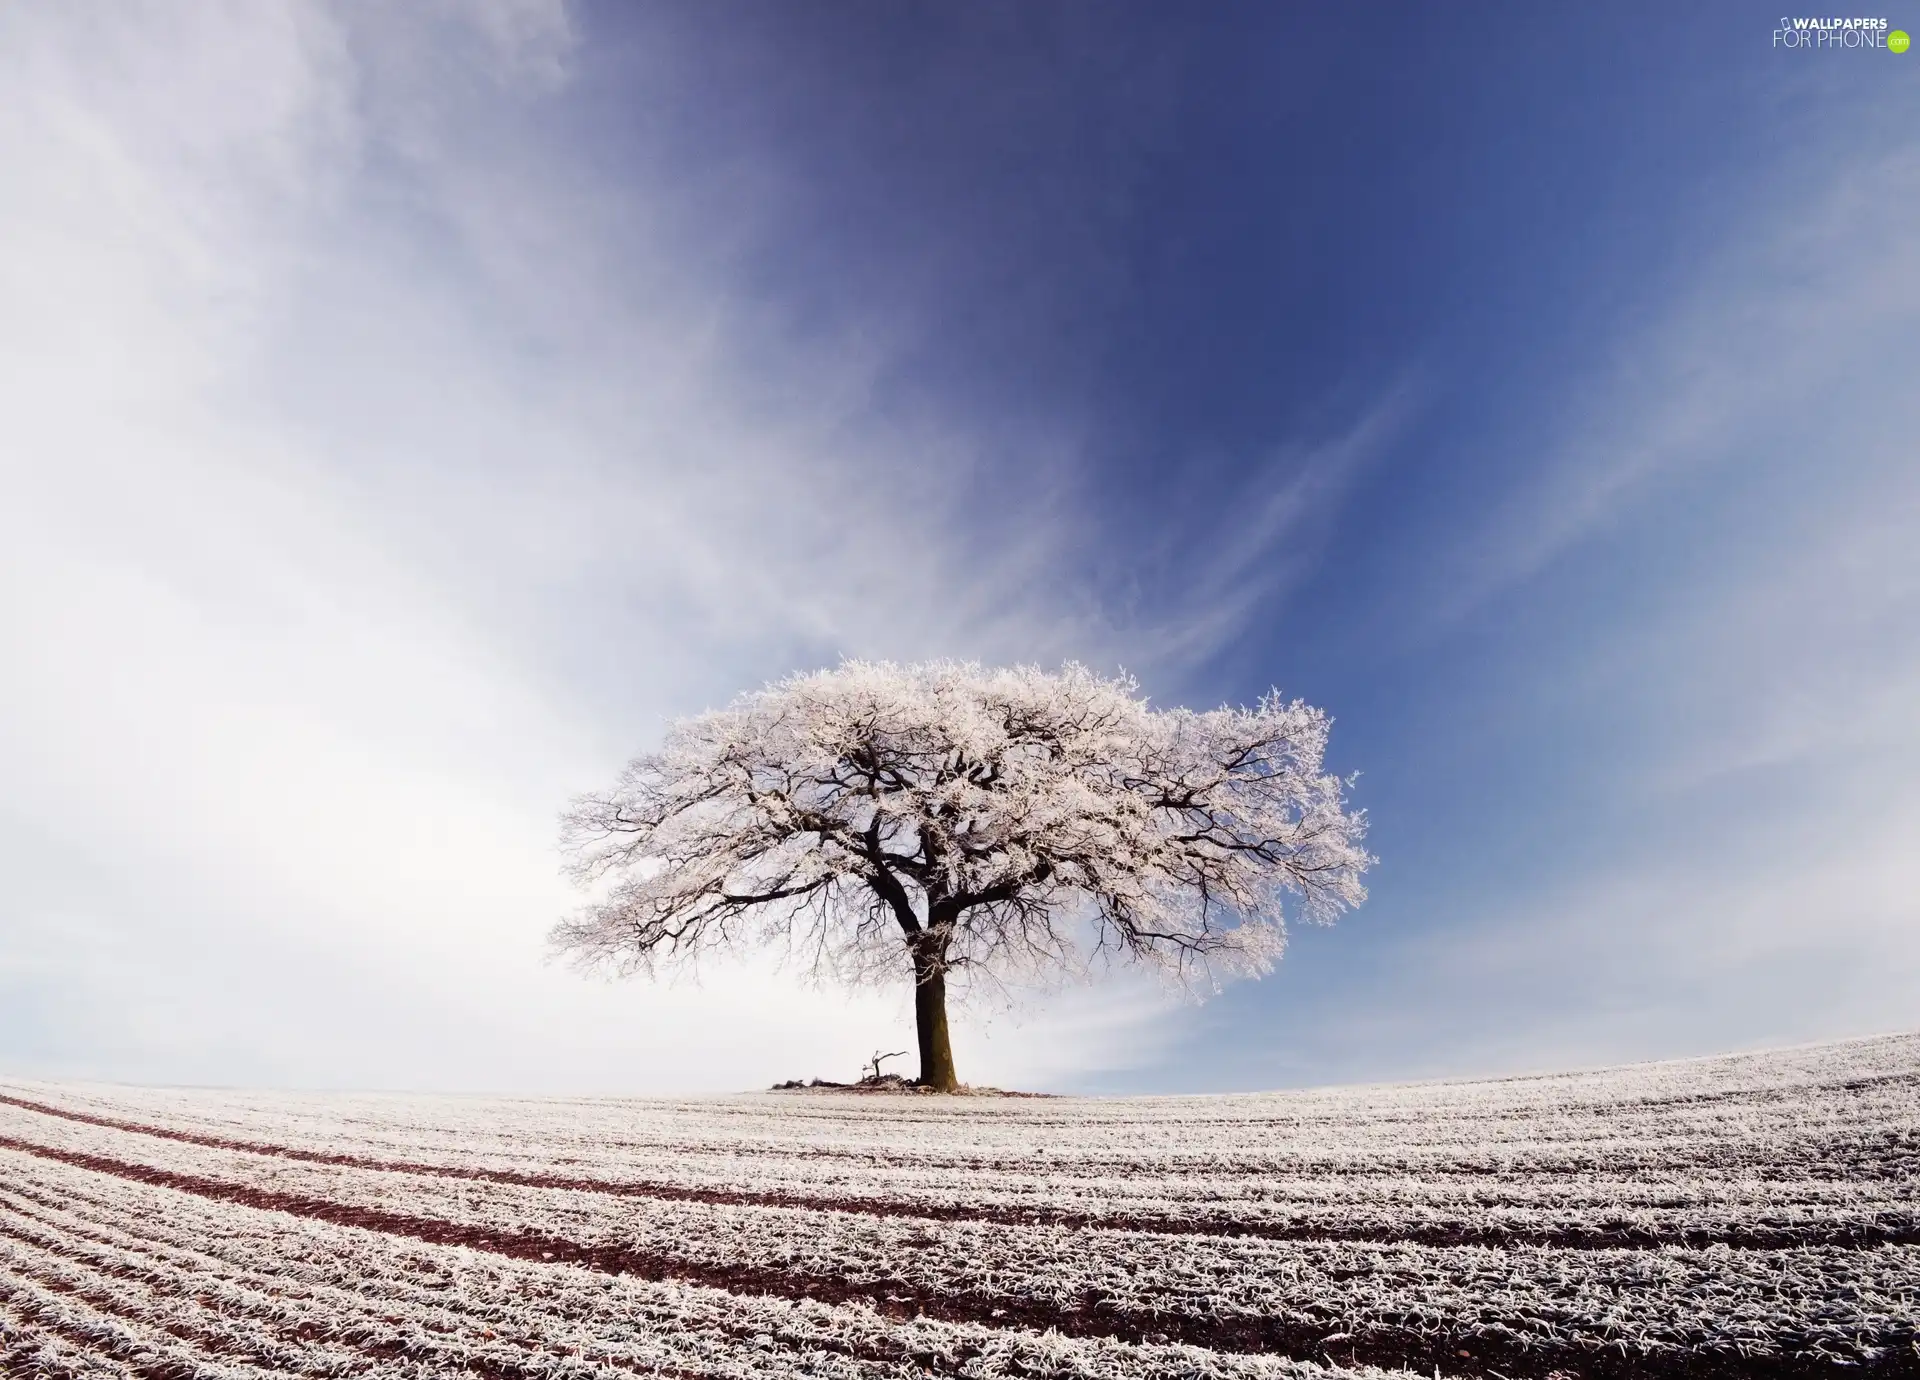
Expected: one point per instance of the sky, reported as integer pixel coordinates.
(407, 412)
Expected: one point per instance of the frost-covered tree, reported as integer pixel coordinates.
(946, 819)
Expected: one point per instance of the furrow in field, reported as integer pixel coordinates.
(32, 1352)
(287, 1337)
(194, 1315)
(205, 1298)
(1522, 1312)
(96, 1325)
(1032, 1238)
(1613, 1213)
(1846, 1141)
(671, 1328)
(254, 1314)
(773, 1128)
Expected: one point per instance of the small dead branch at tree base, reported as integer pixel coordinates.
(895, 1084)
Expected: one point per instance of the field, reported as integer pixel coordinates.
(1742, 1216)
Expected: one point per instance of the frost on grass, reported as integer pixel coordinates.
(1752, 1215)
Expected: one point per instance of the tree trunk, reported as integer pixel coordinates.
(930, 1019)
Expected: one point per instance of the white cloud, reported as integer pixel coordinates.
(374, 479)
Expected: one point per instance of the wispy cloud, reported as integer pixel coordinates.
(1735, 732)
(1248, 547)
(1781, 326)
(376, 479)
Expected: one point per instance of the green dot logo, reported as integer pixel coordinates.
(1898, 40)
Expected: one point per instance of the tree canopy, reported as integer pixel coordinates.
(893, 821)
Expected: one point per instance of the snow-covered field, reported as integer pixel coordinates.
(1754, 1215)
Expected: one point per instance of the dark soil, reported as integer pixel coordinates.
(1756, 1236)
(1461, 1354)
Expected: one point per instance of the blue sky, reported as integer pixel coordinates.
(406, 415)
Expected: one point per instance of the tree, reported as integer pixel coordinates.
(944, 818)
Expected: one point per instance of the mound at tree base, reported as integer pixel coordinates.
(894, 1084)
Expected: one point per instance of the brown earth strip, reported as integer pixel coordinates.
(1612, 1236)
(1894, 1154)
(147, 1367)
(1092, 1317)
(307, 1332)
(488, 1368)
(25, 1352)
(224, 1348)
